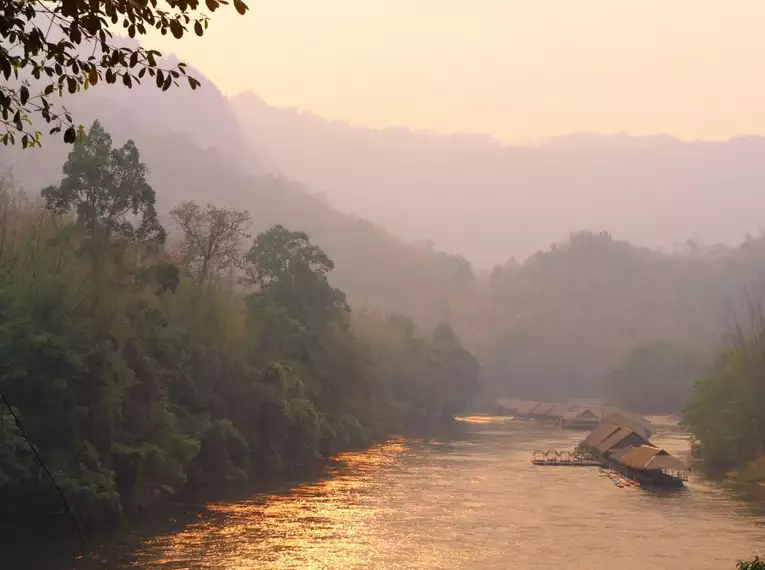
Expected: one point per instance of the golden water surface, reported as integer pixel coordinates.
(474, 502)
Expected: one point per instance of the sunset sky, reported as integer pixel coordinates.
(520, 70)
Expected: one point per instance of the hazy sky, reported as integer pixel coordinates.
(517, 69)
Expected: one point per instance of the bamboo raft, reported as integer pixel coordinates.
(552, 457)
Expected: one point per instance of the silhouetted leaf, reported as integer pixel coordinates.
(176, 28)
(240, 6)
(70, 135)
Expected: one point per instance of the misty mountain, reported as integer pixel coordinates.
(195, 150)
(488, 201)
(547, 326)
(563, 318)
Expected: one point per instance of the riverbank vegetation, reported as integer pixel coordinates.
(143, 360)
(726, 413)
(547, 327)
(754, 564)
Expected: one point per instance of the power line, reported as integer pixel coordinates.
(43, 466)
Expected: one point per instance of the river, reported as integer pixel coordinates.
(473, 501)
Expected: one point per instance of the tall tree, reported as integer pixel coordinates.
(291, 272)
(68, 45)
(278, 253)
(292, 293)
(106, 188)
(212, 238)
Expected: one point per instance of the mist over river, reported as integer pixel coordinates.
(472, 501)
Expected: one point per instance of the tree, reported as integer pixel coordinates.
(276, 256)
(292, 296)
(212, 237)
(67, 46)
(107, 189)
(291, 273)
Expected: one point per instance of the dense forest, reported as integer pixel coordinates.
(551, 326)
(141, 360)
(188, 317)
(726, 413)
(565, 320)
(591, 315)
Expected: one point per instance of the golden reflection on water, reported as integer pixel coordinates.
(473, 502)
(481, 419)
(313, 526)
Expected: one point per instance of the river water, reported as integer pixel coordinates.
(473, 501)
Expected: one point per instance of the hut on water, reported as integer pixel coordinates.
(524, 410)
(580, 418)
(622, 442)
(608, 437)
(509, 405)
(589, 417)
(637, 424)
(650, 464)
(557, 412)
(540, 411)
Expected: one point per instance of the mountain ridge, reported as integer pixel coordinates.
(487, 201)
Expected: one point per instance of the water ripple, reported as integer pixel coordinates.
(474, 502)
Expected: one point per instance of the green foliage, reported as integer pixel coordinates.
(136, 379)
(224, 456)
(755, 564)
(725, 414)
(68, 46)
(212, 238)
(423, 380)
(656, 377)
(559, 322)
(105, 187)
(279, 255)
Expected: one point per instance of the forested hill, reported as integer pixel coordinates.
(552, 325)
(563, 319)
(489, 201)
(133, 366)
(193, 157)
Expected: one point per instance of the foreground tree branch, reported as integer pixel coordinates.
(47, 49)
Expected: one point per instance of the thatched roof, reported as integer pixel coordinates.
(614, 439)
(601, 432)
(542, 409)
(639, 456)
(578, 412)
(649, 457)
(640, 426)
(509, 404)
(559, 410)
(665, 461)
(617, 454)
(526, 407)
